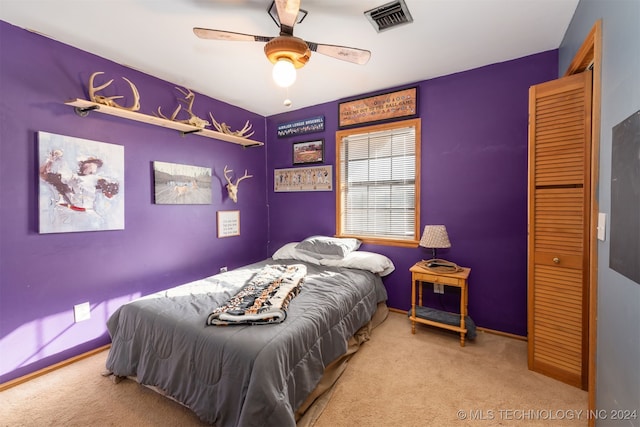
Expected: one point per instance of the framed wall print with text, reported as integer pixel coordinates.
(401, 104)
(228, 223)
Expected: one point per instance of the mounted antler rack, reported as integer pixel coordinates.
(232, 188)
(194, 124)
(193, 120)
(83, 107)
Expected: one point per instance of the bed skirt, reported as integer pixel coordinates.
(312, 408)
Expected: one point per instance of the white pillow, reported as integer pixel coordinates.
(363, 260)
(324, 247)
(289, 251)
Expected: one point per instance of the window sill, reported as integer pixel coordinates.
(383, 241)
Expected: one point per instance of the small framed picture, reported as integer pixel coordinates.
(308, 152)
(228, 223)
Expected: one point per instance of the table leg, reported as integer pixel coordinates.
(413, 306)
(463, 312)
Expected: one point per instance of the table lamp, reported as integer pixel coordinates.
(436, 237)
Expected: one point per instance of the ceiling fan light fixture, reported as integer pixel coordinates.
(284, 72)
(292, 48)
(286, 53)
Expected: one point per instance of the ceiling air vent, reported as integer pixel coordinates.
(389, 15)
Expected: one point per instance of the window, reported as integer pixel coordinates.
(378, 183)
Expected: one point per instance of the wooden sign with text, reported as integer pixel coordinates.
(387, 106)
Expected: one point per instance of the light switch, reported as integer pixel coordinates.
(602, 222)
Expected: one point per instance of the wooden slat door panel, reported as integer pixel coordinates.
(559, 324)
(558, 221)
(559, 188)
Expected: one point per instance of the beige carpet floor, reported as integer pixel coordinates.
(395, 379)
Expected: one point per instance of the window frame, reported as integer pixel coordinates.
(340, 134)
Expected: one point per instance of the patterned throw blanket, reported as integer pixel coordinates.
(264, 299)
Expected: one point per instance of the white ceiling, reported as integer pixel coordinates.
(155, 36)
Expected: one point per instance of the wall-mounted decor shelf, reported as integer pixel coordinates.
(83, 107)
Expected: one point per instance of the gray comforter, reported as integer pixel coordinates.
(241, 375)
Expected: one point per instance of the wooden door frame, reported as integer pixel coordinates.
(590, 56)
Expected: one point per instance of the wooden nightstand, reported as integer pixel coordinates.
(420, 314)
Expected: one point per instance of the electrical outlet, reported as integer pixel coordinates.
(82, 312)
(438, 288)
(223, 269)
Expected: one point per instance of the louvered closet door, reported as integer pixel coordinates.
(559, 188)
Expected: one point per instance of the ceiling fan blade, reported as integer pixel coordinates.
(349, 54)
(207, 33)
(287, 14)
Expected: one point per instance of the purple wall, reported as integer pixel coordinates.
(474, 174)
(43, 276)
(474, 180)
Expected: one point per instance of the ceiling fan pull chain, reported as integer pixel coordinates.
(287, 101)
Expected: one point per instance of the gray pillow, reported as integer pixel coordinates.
(328, 247)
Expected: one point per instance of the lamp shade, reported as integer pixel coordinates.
(435, 236)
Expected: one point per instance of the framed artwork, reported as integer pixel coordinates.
(379, 108)
(308, 152)
(228, 223)
(176, 184)
(81, 185)
(311, 178)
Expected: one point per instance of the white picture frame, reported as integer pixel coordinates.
(228, 223)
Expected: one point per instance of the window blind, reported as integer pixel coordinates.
(379, 183)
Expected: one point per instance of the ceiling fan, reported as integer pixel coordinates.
(287, 51)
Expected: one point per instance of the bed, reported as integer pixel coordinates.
(251, 374)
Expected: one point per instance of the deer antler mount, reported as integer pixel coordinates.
(224, 128)
(110, 100)
(193, 120)
(232, 188)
